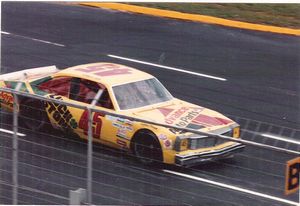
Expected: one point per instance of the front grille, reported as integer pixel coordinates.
(228, 134)
(220, 141)
(203, 142)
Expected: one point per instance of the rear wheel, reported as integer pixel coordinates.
(33, 115)
(147, 149)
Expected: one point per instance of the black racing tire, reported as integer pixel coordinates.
(147, 148)
(33, 115)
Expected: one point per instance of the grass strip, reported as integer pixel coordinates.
(283, 15)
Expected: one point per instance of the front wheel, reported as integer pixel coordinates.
(147, 149)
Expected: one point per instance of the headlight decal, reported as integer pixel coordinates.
(181, 143)
(236, 132)
(184, 144)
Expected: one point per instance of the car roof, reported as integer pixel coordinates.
(109, 74)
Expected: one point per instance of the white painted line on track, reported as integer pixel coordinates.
(167, 67)
(11, 132)
(47, 42)
(233, 188)
(3, 32)
(33, 39)
(272, 136)
(284, 139)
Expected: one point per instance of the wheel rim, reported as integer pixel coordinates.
(34, 118)
(145, 153)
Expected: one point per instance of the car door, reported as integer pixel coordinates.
(57, 88)
(83, 92)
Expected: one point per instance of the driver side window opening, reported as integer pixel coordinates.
(83, 90)
(58, 86)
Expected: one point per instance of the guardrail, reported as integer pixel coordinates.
(91, 108)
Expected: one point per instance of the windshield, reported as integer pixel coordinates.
(141, 93)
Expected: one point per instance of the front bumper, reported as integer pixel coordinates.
(197, 158)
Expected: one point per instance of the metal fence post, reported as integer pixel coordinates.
(15, 144)
(90, 146)
(90, 155)
(15, 151)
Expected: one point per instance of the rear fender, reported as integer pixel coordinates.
(29, 74)
(6, 98)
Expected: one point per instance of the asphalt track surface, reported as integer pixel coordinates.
(262, 72)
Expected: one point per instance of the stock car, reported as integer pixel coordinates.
(128, 92)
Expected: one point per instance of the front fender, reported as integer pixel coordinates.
(165, 138)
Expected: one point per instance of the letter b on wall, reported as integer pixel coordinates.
(292, 176)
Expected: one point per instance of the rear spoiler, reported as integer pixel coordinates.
(29, 73)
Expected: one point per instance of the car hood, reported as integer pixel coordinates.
(183, 114)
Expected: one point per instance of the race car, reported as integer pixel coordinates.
(127, 92)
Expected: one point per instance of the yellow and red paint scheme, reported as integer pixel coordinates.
(119, 132)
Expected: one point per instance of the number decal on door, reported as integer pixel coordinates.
(96, 125)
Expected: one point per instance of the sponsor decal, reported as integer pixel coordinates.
(122, 143)
(165, 111)
(60, 113)
(121, 133)
(7, 98)
(111, 118)
(210, 121)
(191, 117)
(172, 117)
(188, 117)
(162, 136)
(105, 70)
(123, 124)
(167, 144)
